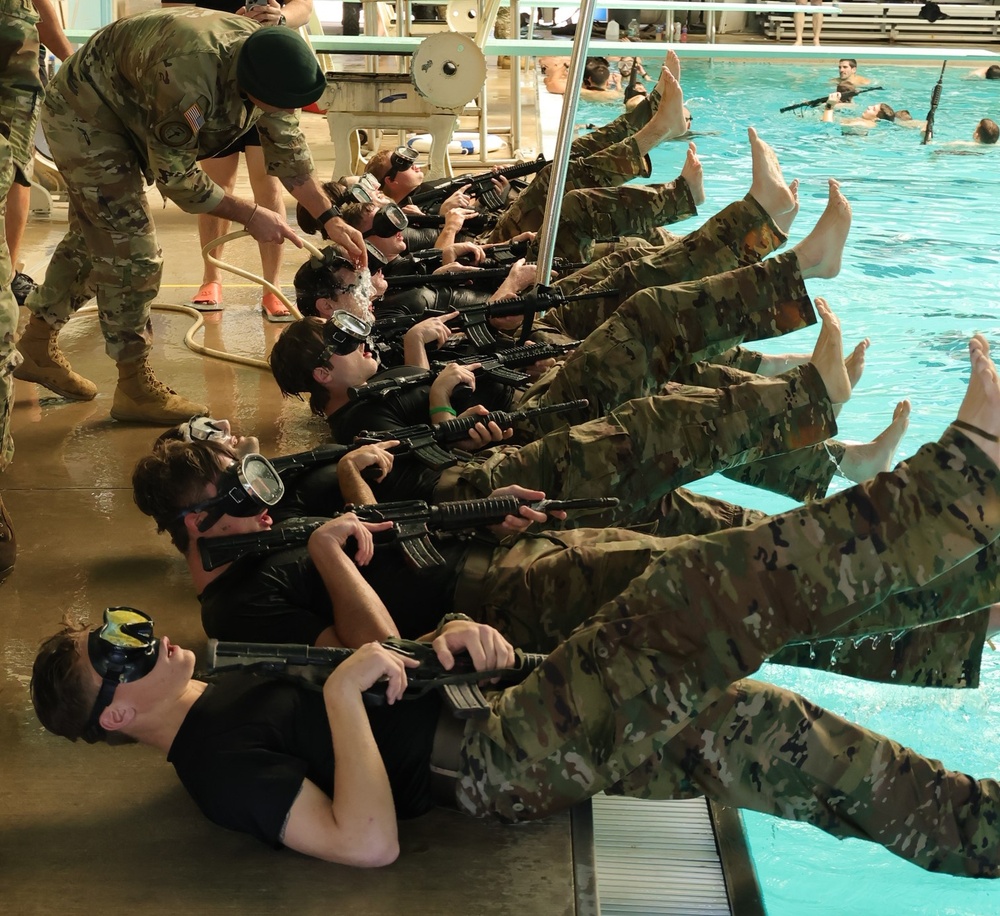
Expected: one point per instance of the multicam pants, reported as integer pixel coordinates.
(647, 447)
(606, 158)
(110, 248)
(647, 697)
(646, 340)
(20, 94)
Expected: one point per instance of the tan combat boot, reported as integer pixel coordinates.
(141, 398)
(45, 364)
(8, 543)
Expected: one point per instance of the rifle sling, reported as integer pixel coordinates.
(446, 754)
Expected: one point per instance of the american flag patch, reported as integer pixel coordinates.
(195, 118)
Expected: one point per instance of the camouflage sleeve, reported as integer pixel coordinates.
(284, 146)
(172, 151)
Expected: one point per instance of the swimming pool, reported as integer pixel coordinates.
(921, 274)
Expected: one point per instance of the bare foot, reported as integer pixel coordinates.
(981, 404)
(855, 363)
(864, 460)
(828, 355)
(694, 175)
(820, 252)
(668, 119)
(768, 186)
(672, 64)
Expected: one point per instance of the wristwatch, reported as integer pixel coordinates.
(281, 19)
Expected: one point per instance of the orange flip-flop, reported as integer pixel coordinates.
(209, 297)
(274, 309)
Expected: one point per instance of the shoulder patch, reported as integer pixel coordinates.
(174, 133)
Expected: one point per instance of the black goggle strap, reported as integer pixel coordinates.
(402, 158)
(236, 495)
(342, 337)
(389, 220)
(122, 650)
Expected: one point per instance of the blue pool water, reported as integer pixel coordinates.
(921, 274)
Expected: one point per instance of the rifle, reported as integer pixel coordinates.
(323, 454)
(425, 441)
(481, 222)
(501, 366)
(460, 685)
(935, 98)
(493, 276)
(474, 320)
(413, 523)
(815, 103)
(481, 185)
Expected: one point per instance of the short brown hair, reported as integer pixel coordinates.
(173, 477)
(63, 698)
(379, 165)
(988, 131)
(294, 356)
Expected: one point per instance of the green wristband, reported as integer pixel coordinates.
(450, 410)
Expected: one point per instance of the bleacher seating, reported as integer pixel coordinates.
(976, 22)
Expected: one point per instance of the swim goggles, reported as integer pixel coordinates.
(122, 650)
(248, 486)
(343, 333)
(203, 429)
(401, 159)
(387, 221)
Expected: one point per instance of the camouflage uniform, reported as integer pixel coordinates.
(646, 699)
(647, 447)
(145, 98)
(20, 94)
(606, 158)
(652, 335)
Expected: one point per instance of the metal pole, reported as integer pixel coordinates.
(564, 138)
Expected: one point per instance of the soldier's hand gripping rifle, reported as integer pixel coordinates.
(822, 100)
(480, 185)
(490, 277)
(502, 365)
(460, 685)
(474, 320)
(425, 441)
(414, 521)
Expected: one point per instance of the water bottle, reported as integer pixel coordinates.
(660, 32)
(684, 32)
(676, 36)
(613, 31)
(51, 66)
(633, 29)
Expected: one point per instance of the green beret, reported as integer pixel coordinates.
(277, 67)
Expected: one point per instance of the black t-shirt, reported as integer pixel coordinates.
(248, 742)
(410, 478)
(280, 596)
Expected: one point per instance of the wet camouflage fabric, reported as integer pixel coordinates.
(605, 158)
(595, 214)
(643, 698)
(737, 236)
(655, 332)
(120, 112)
(947, 653)
(647, 447)
(20, 94)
